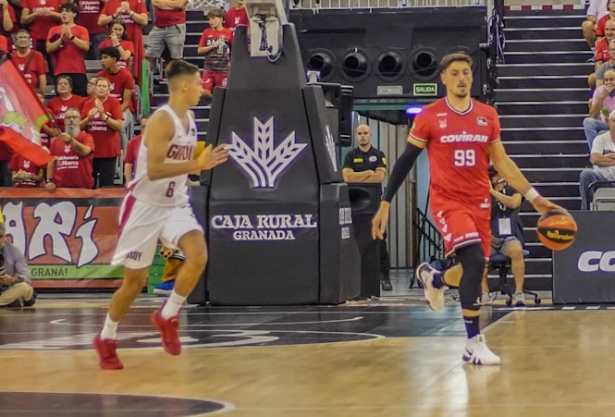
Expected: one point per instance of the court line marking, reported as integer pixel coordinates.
(228, 406)
(60, 322)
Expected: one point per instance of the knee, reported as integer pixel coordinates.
(586, 175)
(515, 252)
(196, 256)
(588, 122)
(587, 25)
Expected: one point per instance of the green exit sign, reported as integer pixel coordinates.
(427, 89)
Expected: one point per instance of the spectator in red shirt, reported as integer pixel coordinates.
(25, 173)
(72, 151)
(30, 62)
(132, 154)
(3, 46)
(7, 18)
(103, 117)
(169, 29)
(118, 39)
(602, 51)
(134, 15)
(41, 15)
(236, 15)
(89, 12)
(602, 21)
(67, 45)
(64, 99)
(215, 44)
(47, 130)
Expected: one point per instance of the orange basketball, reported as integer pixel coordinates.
(556, 229)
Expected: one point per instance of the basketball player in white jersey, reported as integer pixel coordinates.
(157, 207)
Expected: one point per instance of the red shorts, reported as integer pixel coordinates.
(213, 79)
(461, 225)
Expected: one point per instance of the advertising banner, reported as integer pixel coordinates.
(68, 237)
(585, 272)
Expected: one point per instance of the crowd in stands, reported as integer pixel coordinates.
(599, 126)
(92, 122)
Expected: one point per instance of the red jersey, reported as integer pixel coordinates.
(127, 45)
(71, 169)
(57, 107)
(602, 51)
(69, 59)
(132, 153)
(32, 70)
(120, 81)
(106, 139)
(18, 163)
(457, 146)
(41, 24)
(12, 17)
(4, 45)
(218, 59)
(236, 17)
(164, 18)
(89, 12)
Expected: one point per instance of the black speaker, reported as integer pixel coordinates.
(390, 53)
(364, 202)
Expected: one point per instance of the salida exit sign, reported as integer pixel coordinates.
(425, 89)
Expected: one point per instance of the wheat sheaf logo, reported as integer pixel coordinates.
(264, 163)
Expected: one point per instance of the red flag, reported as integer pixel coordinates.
(21, 115)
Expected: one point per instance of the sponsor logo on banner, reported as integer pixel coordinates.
(593, 261)
(258, 227)
(264, 163)
(68, 238)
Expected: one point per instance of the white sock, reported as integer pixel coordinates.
(171, 308)
(109, 329)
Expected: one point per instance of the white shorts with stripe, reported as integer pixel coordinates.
(143, 224)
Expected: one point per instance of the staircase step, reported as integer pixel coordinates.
(543, 108)
(573, 32)
(551, 161)
(542, 21)
(534, 175)
(569, 203)
(547, 57)
(545, 133)
(543, 45)
(533, 69)
(532, 121)
(546, 147)
(560, 190)
(543, 81)
(541, 94)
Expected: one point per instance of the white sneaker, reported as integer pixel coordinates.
(518, 299)
(485, 299)
(477, 352)
(434, 296)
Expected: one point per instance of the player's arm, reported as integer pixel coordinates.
(158, 132)
(402, 167)
(510, 172)
(127, 172)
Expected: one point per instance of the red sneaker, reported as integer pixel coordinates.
(107, 354)
(168, 332)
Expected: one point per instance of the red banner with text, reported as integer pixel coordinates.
(68, 238)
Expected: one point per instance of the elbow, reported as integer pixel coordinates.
(153, 174)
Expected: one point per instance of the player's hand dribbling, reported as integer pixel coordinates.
(380, 220)
(542, 205)
(212, 157)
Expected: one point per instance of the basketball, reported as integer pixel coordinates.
(556, 229)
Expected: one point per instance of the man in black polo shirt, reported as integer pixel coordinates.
(368, 164)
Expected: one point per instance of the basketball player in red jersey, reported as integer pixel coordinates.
(157, 207)
(460, 135)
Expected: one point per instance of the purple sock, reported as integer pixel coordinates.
(438, 280)
(472, 327)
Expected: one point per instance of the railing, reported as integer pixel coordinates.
(496, 42)
(430, 244)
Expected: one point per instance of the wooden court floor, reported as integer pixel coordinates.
(389, 360)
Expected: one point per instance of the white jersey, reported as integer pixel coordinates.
(172, 191)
